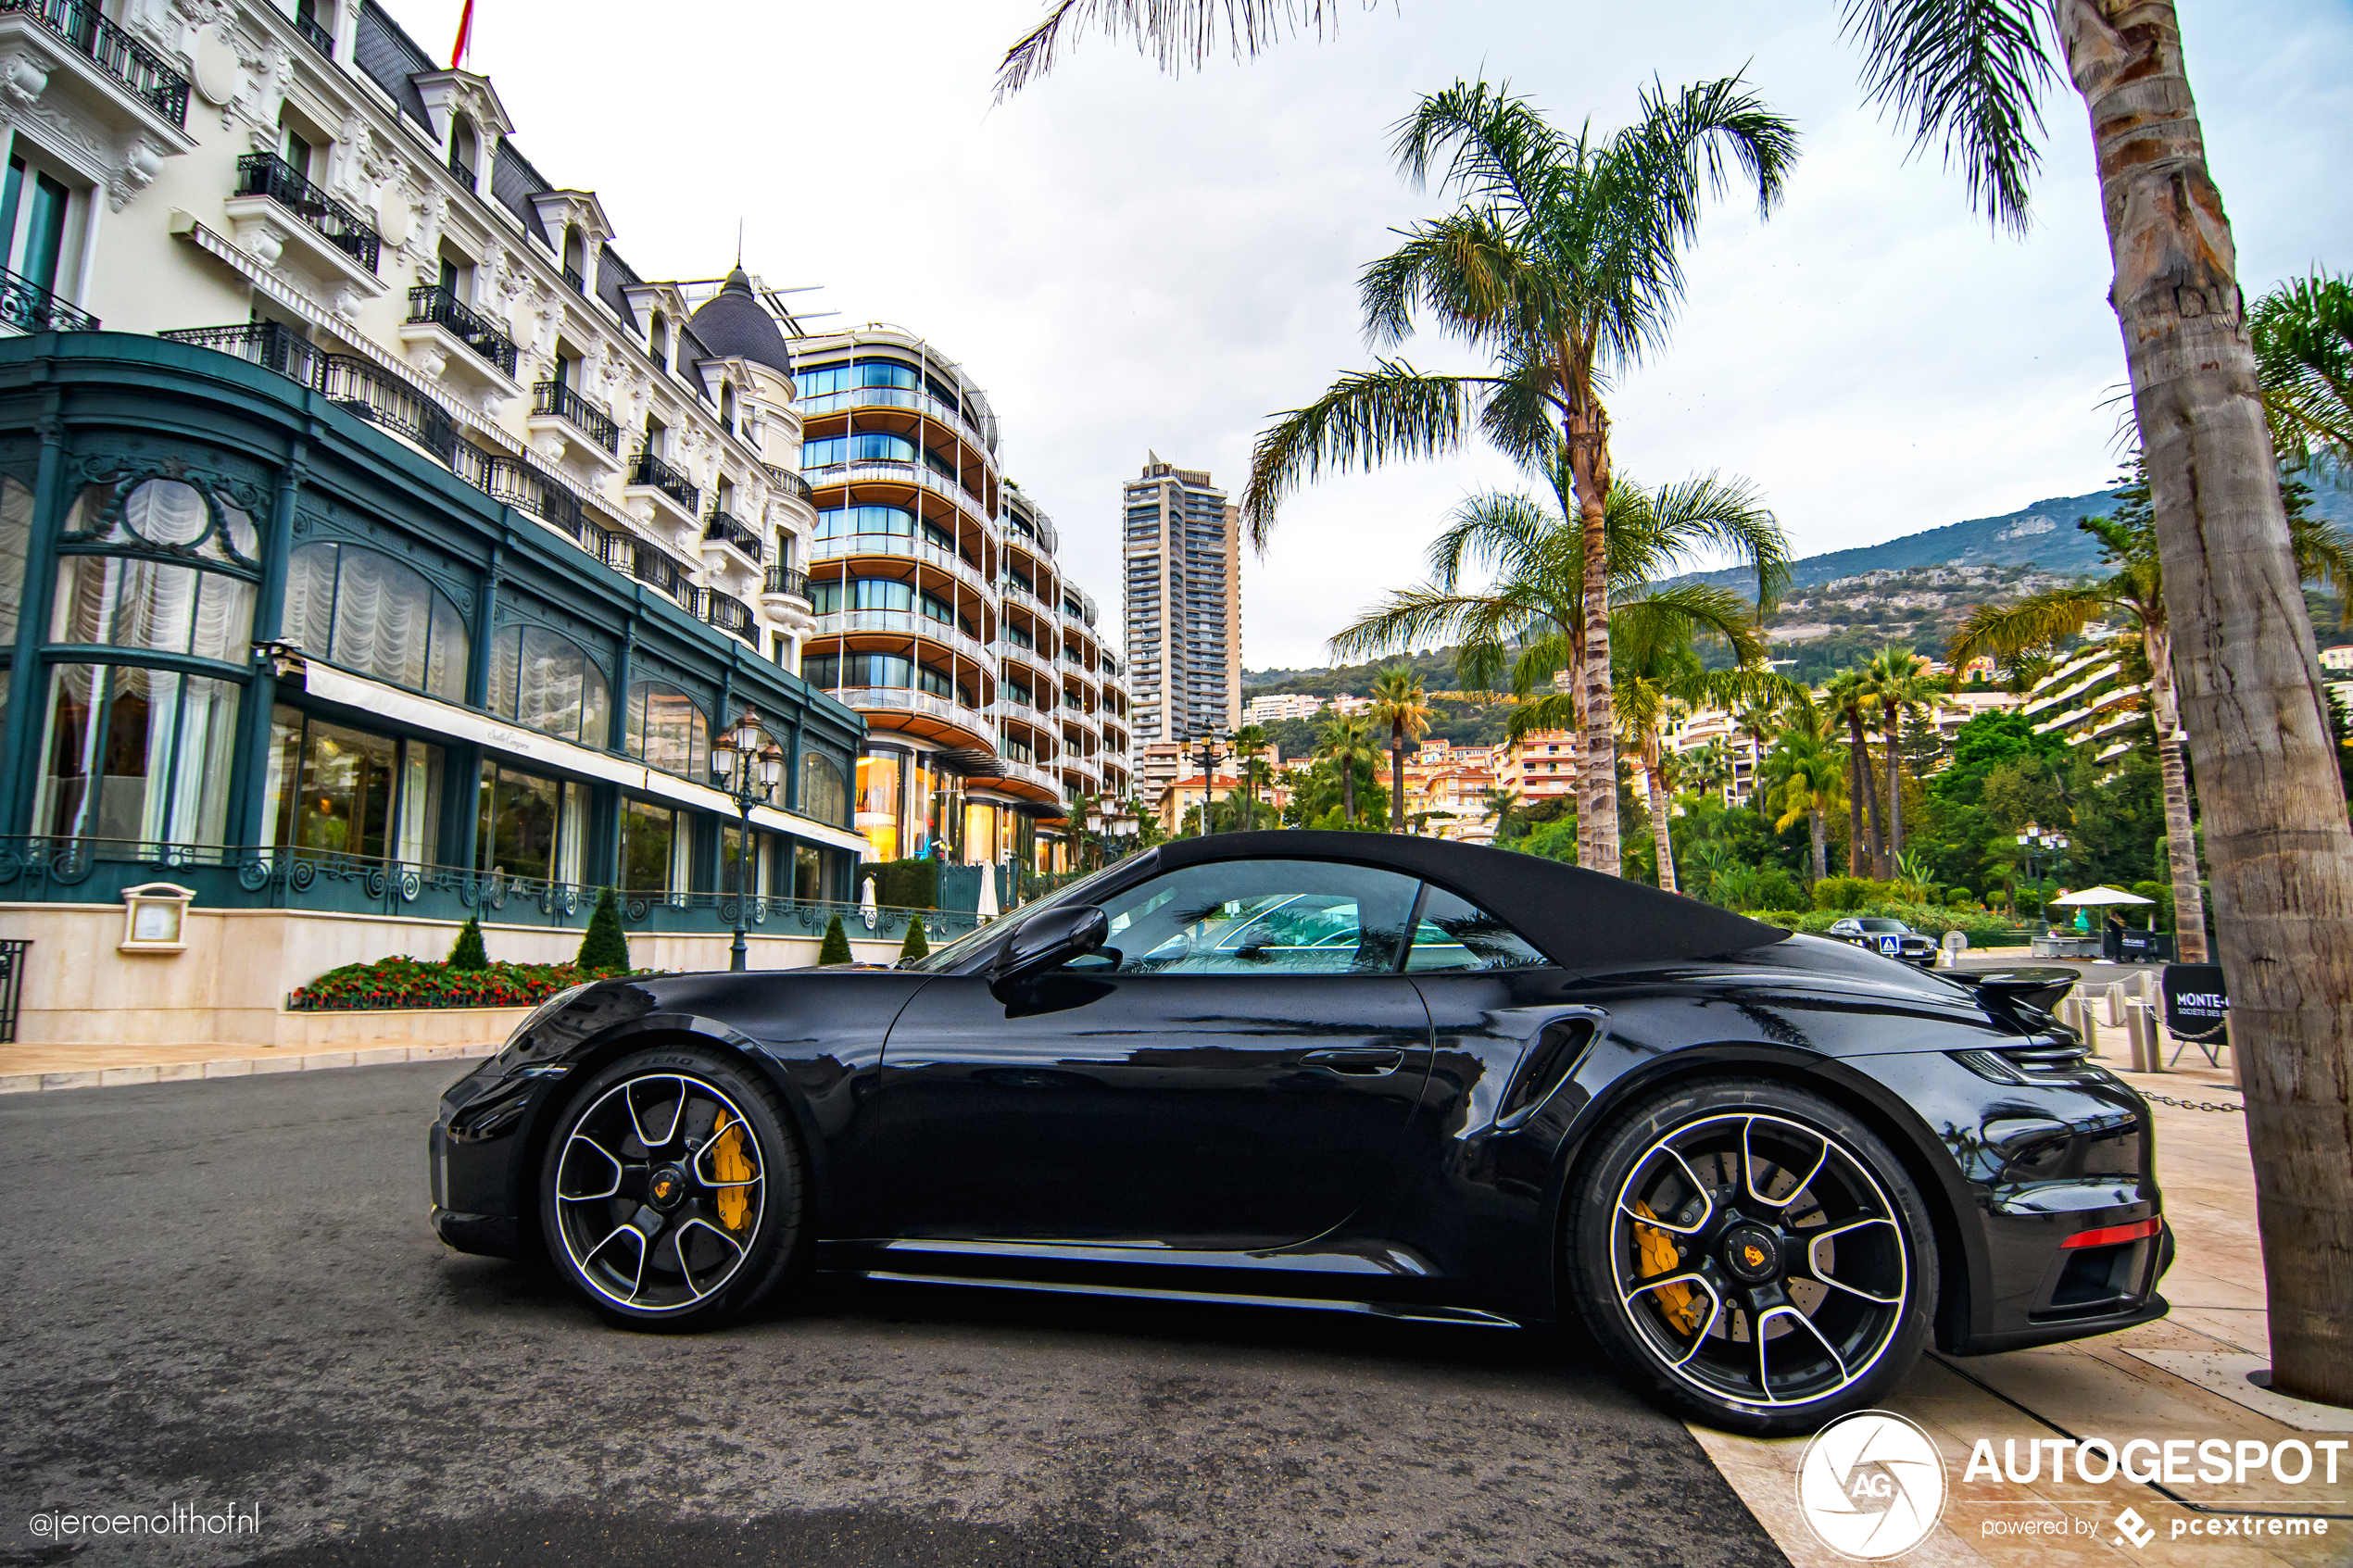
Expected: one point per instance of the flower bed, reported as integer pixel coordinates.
(430, 983)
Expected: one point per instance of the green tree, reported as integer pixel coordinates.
(1897, 680)
(1398, 702)
(835, 949)
(1345, 742)
(1852, 700)
(1805, 777)
(1564, 263)
(2303, 336)
(918, 941)
(467, 951)
(604, 946)
(1249, 741)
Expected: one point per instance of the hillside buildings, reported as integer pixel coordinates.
(942, 616)
(1181, 543)
(380, 549)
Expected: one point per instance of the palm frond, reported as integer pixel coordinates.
(2303, 335)
(2040, 622)
(1465, 267)
(1371, 417)
(1176, 34)
(1969, 74)
(1556, 710)
(1492, 528)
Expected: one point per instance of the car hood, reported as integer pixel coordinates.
(768, 1007)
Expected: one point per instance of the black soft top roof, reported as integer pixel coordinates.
(1580, 919)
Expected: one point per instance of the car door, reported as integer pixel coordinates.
(1233, 1072)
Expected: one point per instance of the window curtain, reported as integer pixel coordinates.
(16, 538)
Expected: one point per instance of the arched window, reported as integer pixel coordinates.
(727, 405)
(665, 728)
(576, 256)
(371, 614)
(544, 681)
(164, 572)
(825, 790)
(658, 340)
(461, 149)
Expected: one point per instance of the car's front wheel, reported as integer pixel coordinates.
(1753, 1255)
(671, 1192)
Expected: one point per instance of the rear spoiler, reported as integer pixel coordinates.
(2037, 989)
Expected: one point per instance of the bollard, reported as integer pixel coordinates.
(2115, 994)
(2136, 1029)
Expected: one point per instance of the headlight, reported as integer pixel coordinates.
(539, 1014)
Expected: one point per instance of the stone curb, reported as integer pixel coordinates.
(233, 1066)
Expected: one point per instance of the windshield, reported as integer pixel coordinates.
(1885, 927)
(941, 960)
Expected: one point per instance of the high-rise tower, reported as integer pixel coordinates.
(1182, 546)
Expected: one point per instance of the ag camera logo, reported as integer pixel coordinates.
(1872, 1486)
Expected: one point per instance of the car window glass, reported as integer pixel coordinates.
(1457, 935)
(1261, 917)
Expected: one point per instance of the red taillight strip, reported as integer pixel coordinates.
(2109, 1236)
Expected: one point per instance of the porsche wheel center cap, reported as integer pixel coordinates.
(1751, 1254)
(665, 1186)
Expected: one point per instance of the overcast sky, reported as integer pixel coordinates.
(1130, 262)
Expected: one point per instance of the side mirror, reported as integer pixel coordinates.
(1049, 938)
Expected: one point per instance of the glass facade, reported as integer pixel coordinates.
(545, 682)
(136, 755)
(335, 790)
(375, 617)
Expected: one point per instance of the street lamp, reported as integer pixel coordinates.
(749, 771)
(1210, 741)
(2034, 841)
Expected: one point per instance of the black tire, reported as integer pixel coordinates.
(1689, 1222)
(717, 1219)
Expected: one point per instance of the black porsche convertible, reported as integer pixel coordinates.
(1355, 1072)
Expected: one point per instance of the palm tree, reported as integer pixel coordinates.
(1397, 702)
(1760, 721)
(1249, 741)
(1344, 743)
(1499, 804)
(1709, 770)
(1805, 776)
(1527, 622)
(1564, 263)
(1968, 74)
(1851, 700)
(1898, 683)
(2135, 594)
(2303, 333)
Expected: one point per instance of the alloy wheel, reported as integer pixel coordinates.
(659, 1192)
(1760, 1260)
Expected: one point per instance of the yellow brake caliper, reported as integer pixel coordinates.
(730, 1163)
(1658, 1256)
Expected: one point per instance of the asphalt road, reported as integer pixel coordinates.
(224, 1293)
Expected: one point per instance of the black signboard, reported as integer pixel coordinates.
(2143, 947)
(2196, 1006)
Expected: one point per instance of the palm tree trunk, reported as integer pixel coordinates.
(2180, 834)
(1397, 781)
(1853, 817)
(1821, 844)
(1894, 800)
(2250, 692)
(1659, 834)
(1871, 794)
(1587, 432)
(1348, 789)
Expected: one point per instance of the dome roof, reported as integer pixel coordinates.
(733, 326)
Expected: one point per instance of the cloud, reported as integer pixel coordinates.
(1127, 261)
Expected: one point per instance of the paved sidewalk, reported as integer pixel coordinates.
(2163, 1380)
(24, 1069)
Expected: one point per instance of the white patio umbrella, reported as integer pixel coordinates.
(2102, 895)
(868, 911)
(988, 909)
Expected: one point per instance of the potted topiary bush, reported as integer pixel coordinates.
(469, 952)
(918, 943)
(604, 945)
(835, 946)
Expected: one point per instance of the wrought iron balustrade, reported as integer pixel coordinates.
(561, 401)
(786, 579)
(270, 344)
(792, 484)
(463, 167)
(579, 285)
(374, 394)
(725, 528)
(652, 567)
(90, 34)
(651, 472)
(266, 174)
(318, 37)
(97, 870)
(431, 301)
(730, 614)
(29, 308)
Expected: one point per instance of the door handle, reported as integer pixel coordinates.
(1360, 1061)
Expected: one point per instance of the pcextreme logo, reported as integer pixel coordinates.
(1872, 1486)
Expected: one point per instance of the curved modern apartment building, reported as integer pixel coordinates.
(942, 616)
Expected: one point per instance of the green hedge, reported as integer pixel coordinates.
(428, 983)
(1982, 927)
(903, 884)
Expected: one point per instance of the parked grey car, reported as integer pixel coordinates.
(1892, 937)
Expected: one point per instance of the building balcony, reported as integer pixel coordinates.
(723, 528)
(900, 546)
(448, 337)
(981, 434)
(318, 37)
(784, 596)
(588, 432)
(368, 391)
(903, 623)
(935, 717)
(911, 476)
(67, 50)
(281, 218)
(25, 306)
(730, 615)
(676, 499)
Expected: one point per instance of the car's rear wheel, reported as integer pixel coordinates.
(671, 1192)
(1751, 1254)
